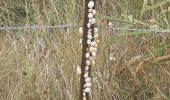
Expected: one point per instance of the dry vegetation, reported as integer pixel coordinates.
(41, 64)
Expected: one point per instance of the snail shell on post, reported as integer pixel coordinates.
(91, 4)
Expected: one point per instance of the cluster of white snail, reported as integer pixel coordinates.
(92, 40)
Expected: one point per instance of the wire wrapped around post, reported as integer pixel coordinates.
(89, 49)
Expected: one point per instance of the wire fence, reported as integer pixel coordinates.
(152, 29)
(36, 27)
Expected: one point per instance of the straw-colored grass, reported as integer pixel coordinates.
(41, 64)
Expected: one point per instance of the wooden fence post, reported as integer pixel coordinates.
(88, 55)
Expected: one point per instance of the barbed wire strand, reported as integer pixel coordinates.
(155, 30)
(36, 27)
(72, 26)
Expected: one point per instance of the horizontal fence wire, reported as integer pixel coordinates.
(142, 30)
(155, 30)
(36, 27)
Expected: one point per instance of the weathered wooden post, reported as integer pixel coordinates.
(89, 49)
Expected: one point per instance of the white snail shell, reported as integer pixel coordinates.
(88, 25)
(87, 55)
(88, 85)
(87, 80)
(91, 4)
(93, 11)
(90, 10)
(87, 90)
(88, 41)
(81, 29)
(89, 36)
(95, 29)
(88, 63)
(90, 15)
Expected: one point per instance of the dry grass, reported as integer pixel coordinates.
(41, 64)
